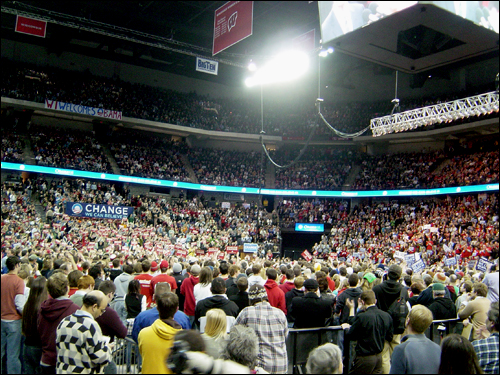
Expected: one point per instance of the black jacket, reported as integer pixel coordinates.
(241, 299)
(387, 292)
(215, 302)
(426, 298)
(179, 278)
(370, 328)
(443, 308)
(310, 311)
(289, 296)
(352, 294)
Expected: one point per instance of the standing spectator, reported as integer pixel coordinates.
(275, 295)
(256, 278)
(325, 359)
(243, 348)
(52, 311)
(371, 328)
(97, 273)
(145, 281)
(13, 301)
(271, 327)
(109, 321)
(32, 343)
(386, 293)
(187, 290)
(302, 307)
(441, 307)
(298, 282)
(121, 283)
(135, 302)
(465, 291)
(458, 356)
(215, 332)
(487, 348)
(81, 347)
(147, 318)
(233, 273)
(407, 356)
(475, 309)
(241, 298)
(288, 284)
(202, 289)
(491, 281)
(352, 293)
(115, 271)
(163, 278)
(73, 278)
(179, 278)
(85, 284)
(218, 300)
(156, 341)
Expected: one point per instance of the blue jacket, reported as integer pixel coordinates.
(416, 355)
(146, 319)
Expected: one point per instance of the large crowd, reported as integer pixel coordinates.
(164, 269)
(293, 119)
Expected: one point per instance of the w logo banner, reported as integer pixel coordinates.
(226, 30)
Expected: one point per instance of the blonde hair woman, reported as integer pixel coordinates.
(215, 332)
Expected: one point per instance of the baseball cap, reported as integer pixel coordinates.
(163, 264)
(195, 270)
(370, 277)
(154, 266)
(311, 284)
(437, 287)
(177, 268)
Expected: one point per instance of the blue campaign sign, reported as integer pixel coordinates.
(410, 259)
(450, 261)
(98, 211)
(305, 227)
(482, 264)
(250, 247)
(418, 266)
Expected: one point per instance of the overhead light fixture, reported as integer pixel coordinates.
(286, 66)
(438, 113)
(252, 67)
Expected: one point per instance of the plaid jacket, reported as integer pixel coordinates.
(487, 353)
(271, 327)
(80, 345)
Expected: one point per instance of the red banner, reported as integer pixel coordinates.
(199, 252)
(212, 250)
(232, 249)
(306, 255)
(220, 256)
(232, 22)
(30, 26)
(181, 253)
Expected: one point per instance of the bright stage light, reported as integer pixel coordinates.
(252, 67)
(284, 67)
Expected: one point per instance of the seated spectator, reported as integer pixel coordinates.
(325, 359)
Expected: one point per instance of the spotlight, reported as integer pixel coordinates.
(252, 67)
(330, 50)
(323, 53)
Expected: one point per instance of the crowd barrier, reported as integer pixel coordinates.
(126, 356)
(300, 342)
(441, 328)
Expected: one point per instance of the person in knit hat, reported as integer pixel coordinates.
(426, 297)
(441, 307)
(271, 327)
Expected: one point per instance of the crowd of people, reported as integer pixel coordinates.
(12, 147)
(74, 149)
(162, 276)
(293, 119)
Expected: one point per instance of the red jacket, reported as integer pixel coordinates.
(187, 288)
(145, 281)
(287, 286)
(275, 295)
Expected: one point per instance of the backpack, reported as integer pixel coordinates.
(399, 311)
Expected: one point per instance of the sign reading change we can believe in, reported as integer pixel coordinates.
(98, 211)
(207, 66)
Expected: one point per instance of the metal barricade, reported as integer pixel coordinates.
(126, 356)
(442, 328)
(301, 341)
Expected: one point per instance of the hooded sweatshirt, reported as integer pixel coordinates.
(121, 282)
(443, 308)
(155, 344)
(275, 295)
(341, 308)
(217, 301)
(187, 289)
(288, 299)
(52, 311)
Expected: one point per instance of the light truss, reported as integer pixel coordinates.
(121, 33)
(438, 113)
